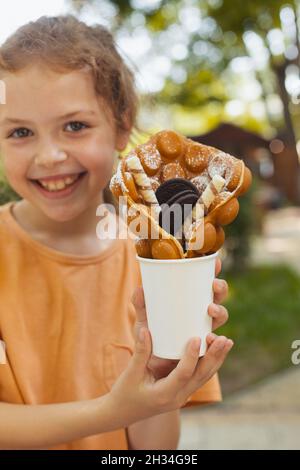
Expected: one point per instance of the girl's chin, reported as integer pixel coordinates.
(67, 211)
(62, 214)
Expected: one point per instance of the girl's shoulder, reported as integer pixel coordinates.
(5, 215)
(7, 235)
(9, 241)
(6, 206)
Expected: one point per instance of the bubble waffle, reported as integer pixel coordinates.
(171, 168)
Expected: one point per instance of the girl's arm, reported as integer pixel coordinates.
(135, 396)
(157, 433)
(42, 426)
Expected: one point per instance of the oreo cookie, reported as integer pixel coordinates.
(172, 187)
(177, 198)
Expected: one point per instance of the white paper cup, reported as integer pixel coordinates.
(177, 295)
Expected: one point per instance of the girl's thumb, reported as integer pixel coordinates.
(143, 348)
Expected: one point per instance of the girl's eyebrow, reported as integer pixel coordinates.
(13, 121)
(65, 116)
(82, 111)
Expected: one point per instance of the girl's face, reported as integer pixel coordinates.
(57, 140)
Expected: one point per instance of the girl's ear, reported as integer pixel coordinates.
(122, 139)
(123, 133)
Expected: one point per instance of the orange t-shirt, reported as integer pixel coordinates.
(67, 324)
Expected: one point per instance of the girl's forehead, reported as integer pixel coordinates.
(37, 89)
(37, 78)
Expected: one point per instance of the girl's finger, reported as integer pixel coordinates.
(139, 304)
(219, 315)
(210, 338)
(220, 289)
(184, 370)
(142, 353)
(218, 266)
(210, 363)
(214, 357)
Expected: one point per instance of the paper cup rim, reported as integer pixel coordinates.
(199, 259)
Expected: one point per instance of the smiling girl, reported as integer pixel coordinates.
(74, 376)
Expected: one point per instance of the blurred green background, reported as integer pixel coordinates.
(227, 73)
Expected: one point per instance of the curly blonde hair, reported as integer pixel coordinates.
(64, 43)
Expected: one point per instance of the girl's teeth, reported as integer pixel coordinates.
(59, 184)
(52, 186)
(69, 180)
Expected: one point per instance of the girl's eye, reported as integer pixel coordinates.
(20, 133)
(75, 126)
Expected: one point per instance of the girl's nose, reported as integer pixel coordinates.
(50, 157)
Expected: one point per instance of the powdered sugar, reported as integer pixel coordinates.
(150, 158)
(201, 181)
(221, 164)
(154, 183)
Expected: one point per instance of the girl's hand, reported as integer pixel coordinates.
(162, 367)
(137, 395)
(217, 311)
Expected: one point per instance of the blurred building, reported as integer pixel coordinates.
(267, 159)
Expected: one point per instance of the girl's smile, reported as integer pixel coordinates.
(59, 186)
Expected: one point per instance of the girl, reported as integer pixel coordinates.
(66, 314)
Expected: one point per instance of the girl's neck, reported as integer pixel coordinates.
(34, 220)
(77, 236)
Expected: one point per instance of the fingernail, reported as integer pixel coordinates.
(196, 346)
(212, 336)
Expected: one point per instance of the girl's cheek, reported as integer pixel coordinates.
(14, 177)
(9, 167)
(98, 158)
(15, 169)
(16, 181)
(102, 169)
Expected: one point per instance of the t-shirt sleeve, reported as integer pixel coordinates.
(209, 393)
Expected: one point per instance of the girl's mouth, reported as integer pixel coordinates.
(59, 188)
